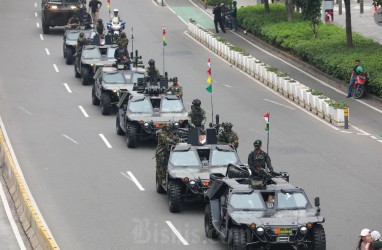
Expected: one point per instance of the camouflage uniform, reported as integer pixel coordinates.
(197, 116)
(152, 73)
(81, 41)
(122, 40)
(226, 135)
(176, 89)
(74, 22)
(165, 139)
(100, 27)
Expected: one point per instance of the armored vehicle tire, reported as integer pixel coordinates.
(45, 28)
(239, 239)
(208, 227)
(118, 126)
(68, 56)
(174, 196)
(95, 100)
(76, 74)
(159, 188)
(106, 106)
(131, 136)
(85, 75)
(235, 173)
(318, 238)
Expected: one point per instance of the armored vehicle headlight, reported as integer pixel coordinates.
(73, 7)
(146, 124)
(53, 7)
(176, 125)
(115, 90)
(303, 230)
(192, 182)
(260, 230)
(252, 226)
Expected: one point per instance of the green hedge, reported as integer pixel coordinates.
(214, 2)
(327, 52)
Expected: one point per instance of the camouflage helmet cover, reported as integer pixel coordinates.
(123, 35)
(82, 34)
(227, 125)
(196, 102)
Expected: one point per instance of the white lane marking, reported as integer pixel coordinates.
(346, 132)
(55, 68)
(11, 219)
(362, 134)
(375, 138)
(176, 232)
(83, 111)
(105, 140)
(280, 104)
(47, 51)
(70, 139)
(291, 65)
(380, 141)
(41, 37)
(131, 177)
(35, 5)
(67, 88)
(26, 111)
(35, 14)
(227, 86)
(269, 89)
(360, 130)
(38, 25)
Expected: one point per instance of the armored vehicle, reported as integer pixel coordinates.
(93, 57)
(70, 42)
(109, 83)
(189, 168)
(58, 12)
(140, 115)
(246, 216)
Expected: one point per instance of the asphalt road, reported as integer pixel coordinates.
(83, 187)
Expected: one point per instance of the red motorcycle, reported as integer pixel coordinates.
(359, 86)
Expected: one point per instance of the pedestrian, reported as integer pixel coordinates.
(94, 6)
(258, 156)
(217, 11)
(376, 237)
(365, 240)
(234, 15)
(357, 70)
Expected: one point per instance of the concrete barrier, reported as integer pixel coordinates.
(27, 211)
(290, 88)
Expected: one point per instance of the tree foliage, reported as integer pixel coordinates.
(377, 2)
(311, 11)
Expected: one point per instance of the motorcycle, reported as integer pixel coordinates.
(115, 27)
(359, 86)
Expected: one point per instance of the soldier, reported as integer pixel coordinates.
(197, 116)
(165, 139)
(81, 41)
(122, 56)
(86, 18)
(152, 73)
(226, 135)
(74, 22)
(175, 88)
(122, 40)
(100, 27)
(258, 156)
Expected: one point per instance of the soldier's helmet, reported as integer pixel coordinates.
(82, 34)
(123, 35)
(99, 21)
(151, 63)
(175, 80)
(257, 143)
(227, 125)
(115, 12)
(166, 127)
(196, 103)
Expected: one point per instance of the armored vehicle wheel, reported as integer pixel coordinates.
(95, 100)
(76, 74)
(159, 188)
(174, 196)
(45, 28)
(131, 136)
(106, 106)
(118, 127)
(68, 56)
(359, 91)
(239, 239)
(318, 238)
(208, 227)
(85, 75)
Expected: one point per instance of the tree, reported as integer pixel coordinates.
(377, 3)
(349, 35)
(289, 4)
(311, 11)
(266, 6)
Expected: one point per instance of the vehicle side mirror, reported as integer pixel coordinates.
(317, 201)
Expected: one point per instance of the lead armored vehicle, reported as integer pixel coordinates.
(58, 12)
(273, 213)
(70, 42)
(92, 58)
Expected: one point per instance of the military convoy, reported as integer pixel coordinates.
(70, 42)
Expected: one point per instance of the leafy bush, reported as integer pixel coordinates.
(328, 51)
(214, 2)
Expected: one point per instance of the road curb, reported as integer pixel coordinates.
(31, 221)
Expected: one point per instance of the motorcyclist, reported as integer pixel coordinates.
(197, 116)
(226, 135)
(258, 156)
(175, 88)
(100, 27)
(116, 18)
(152, 73)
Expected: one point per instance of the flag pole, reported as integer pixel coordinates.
(269, 115)
(132, 39)
(163, 60)
(212, 108)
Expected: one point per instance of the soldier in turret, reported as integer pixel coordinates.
(197, 116)
(227, 135)
(152, 73)
(175, 88)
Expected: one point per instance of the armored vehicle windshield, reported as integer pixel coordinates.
(114, 78)
(291, 200)
(247, 201)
